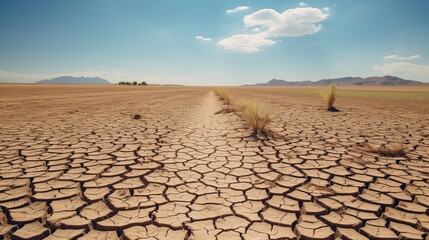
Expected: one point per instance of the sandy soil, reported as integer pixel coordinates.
(74, 164)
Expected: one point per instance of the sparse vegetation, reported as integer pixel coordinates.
(226, 109)
(329, 95)
(224, 95)
(136, 116)
(133, 83)
(397, 150)
(256, 114)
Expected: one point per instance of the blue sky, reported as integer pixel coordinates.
(207, 42)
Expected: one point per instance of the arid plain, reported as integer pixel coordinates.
(76, 164)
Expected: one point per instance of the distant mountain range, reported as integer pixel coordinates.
(346, 81)
(74, 80)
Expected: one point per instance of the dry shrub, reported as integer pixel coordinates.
(136, 116)
(224, 95)
(329, 95)
(386, 151)
(255, 113)
(226, 109)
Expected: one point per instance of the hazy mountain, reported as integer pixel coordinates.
(346, 81)
(74, 80)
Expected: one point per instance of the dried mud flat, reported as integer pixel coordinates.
(74, 164)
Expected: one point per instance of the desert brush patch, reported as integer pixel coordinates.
(329, 95)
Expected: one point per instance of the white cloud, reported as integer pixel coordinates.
(238, 9)
(302, 4)
(291, 23)
(396, 57)
(246, 43)
(269, 23)
(405, 70)
(205, 39)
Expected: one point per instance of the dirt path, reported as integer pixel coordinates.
(211, 187)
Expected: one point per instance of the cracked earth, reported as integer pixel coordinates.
(78, 166)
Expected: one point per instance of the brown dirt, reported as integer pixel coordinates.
(74, 164)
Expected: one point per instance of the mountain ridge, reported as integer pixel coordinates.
(74, 80)
(345, 81)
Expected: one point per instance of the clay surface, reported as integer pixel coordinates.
(75, 164)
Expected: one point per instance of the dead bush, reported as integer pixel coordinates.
(329, 95)
(397, 150)
(224, 95)
(225, 110)
(255, 113)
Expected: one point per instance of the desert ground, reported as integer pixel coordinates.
(76, 164)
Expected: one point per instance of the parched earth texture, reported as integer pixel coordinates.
(79, 166)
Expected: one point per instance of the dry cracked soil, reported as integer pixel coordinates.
(75, 164)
